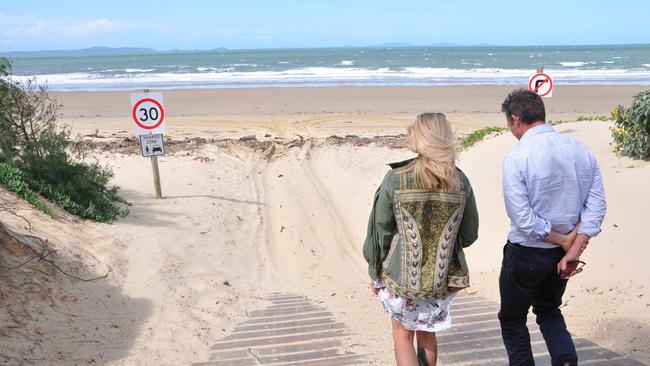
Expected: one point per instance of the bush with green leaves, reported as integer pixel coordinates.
(478, 135)
(16, 181)
(631, 131)
(53, 163)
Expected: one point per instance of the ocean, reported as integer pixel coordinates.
(321, 67)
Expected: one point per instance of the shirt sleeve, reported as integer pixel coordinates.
(381, 228)
(518, 205)
(594, 207)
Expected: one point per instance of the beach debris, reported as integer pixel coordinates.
(295, 142)
(248, 138)
(615, 225)
(204, 159)
(282, 228)
(280, 175)
(129, 145)
(239, 218)
(227, 283)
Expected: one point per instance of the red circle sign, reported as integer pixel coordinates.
(147, 116)
(547, 79)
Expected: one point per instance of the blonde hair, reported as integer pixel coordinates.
(430, 136)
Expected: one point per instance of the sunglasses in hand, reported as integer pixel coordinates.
(572, 268)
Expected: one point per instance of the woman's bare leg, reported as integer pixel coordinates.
(403, 343)
(429, 342)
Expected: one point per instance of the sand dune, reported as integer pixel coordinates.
(302, 217)
(237, 223)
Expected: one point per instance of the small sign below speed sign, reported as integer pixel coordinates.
(148, 113)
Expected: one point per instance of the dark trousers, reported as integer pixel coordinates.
(529, 278)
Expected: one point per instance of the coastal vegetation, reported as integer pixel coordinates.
(631, 130)
(38, 157)
(479, 135)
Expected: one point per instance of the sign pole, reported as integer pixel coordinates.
(156, 177)
(156, 170)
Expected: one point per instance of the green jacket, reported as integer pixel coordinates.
(416, 237)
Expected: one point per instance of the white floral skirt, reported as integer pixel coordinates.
(427, 315)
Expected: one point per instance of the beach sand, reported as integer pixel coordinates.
(289, 214)
(321, 112)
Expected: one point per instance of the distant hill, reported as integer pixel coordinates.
(92, 51)
(446, 44)
(394, 44)
(408, 45)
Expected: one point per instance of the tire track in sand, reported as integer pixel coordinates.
(304, 235)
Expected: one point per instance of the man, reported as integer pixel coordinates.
(553, 193)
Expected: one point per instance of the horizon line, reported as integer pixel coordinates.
(380, 45)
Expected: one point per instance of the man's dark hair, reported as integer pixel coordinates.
(525, 104)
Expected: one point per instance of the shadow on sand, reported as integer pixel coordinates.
(48, 318)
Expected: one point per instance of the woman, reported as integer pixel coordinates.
(424, 214)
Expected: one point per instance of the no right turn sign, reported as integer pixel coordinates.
(541, 84)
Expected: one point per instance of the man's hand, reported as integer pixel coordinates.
(568, 265)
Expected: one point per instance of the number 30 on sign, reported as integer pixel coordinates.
(148, 113)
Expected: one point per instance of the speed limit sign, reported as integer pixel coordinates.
(148, 113)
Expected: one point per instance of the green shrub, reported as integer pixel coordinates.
(53, 164)
(594, 118)
(17, 182)
(479, 135)
(631, 131)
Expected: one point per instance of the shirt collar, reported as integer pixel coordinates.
(536, 131)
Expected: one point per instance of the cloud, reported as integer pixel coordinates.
(15, 28)
(31, 31)
(98, 26)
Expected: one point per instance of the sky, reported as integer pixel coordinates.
(29, 25)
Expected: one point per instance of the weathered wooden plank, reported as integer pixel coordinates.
(286, 324)
(303, 356)
(296, 347)
(280, 312)
(240, 362)
(284, 331)
(229, 355)
(277, 340)
(283, 318)
(334, 361)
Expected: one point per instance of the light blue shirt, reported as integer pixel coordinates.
(550, 182)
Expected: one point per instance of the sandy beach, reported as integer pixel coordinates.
(289, 214)
(321, 112)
